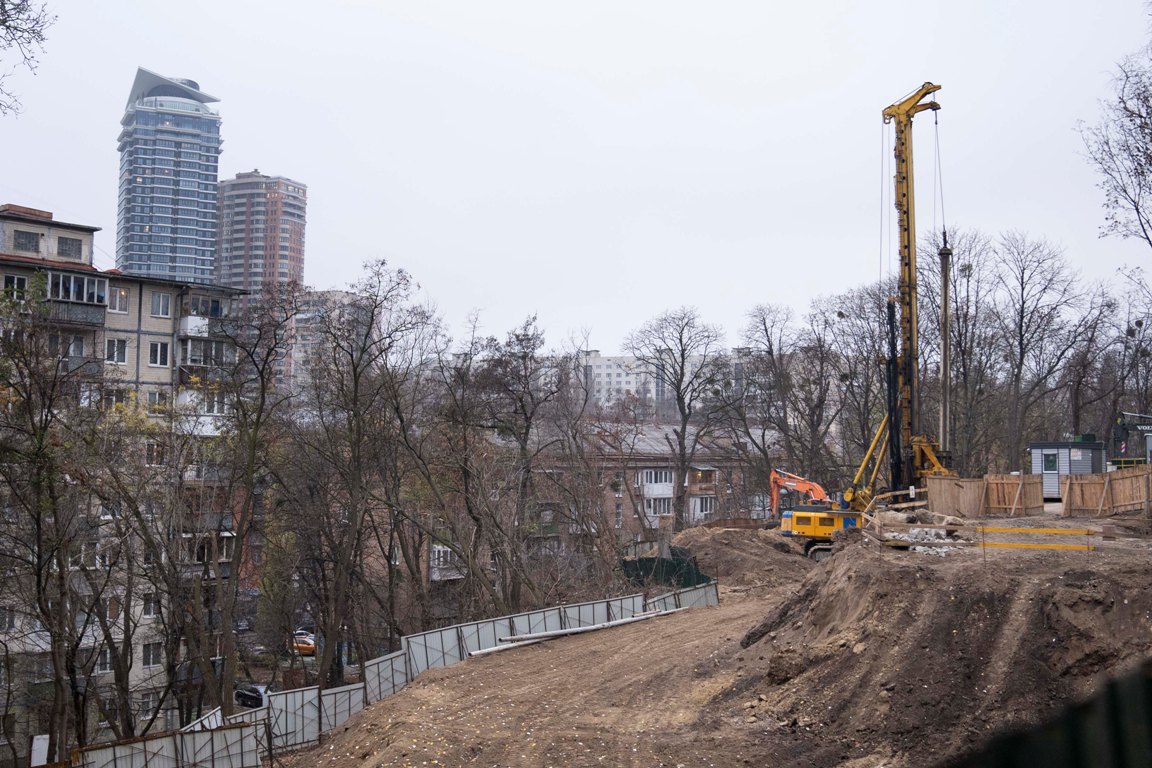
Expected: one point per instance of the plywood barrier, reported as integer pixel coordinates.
(1013, 495)
(1110, 493)
(958, 496)
(989, 496)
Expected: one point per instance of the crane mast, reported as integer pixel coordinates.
(914, 455)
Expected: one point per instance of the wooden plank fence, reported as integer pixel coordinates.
(1110, 493)
(989, 496)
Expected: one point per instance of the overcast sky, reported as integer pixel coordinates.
(596, 163)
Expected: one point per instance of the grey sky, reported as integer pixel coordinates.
(598, 162)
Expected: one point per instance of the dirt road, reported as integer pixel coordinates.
(873, 658)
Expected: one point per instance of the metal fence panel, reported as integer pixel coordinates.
(692, 597)
(546, 620)
(585, 614)
(430, 650)
(339, 704)
(295, 717)
(386, 675)
(213, 719)
(626, 607)
(258, 717)
(220, 748)
(150, 752)
(479, 635)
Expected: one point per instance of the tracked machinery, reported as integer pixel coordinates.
(912, 454)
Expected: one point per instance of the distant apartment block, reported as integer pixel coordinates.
(610, 379)
(169, 147)
(261, 240)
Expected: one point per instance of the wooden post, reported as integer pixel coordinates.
(983, 511)
(1019, 490)
(1103, 494)
(1065, 490)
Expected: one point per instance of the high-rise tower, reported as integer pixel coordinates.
(169, 157)
(261, 244)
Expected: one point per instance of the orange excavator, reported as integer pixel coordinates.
(780, 480)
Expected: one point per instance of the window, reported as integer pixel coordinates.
(652, 476)
(158, 354)
(112, 608)
(157, 400)
(1051, 462)
(116, 350)
(802, 520)
(205, 352)
(826, 522)
(661, 506)
(214, 404)
(85, 290)
(150, 605)
(104, 661)
(619, 515)
(707, 505)
(7, 618)
(112, 397)
(161, 304)
(26, 241)
(149, 702)
(153, 655)
(69, 247)
(154, 455)
(118, 300)
(16, 287)
(204, 306)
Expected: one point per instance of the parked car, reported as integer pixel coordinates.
(250, 694)
(302, 643)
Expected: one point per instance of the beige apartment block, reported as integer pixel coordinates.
(128, 339)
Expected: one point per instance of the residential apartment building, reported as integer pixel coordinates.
(169, 147)
(611, 378)
(261, 240)
(121, 344)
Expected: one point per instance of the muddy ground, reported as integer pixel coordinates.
(876, 657)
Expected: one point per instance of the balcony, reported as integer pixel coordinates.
(71, 313)
(194, 325)
(81, 366)
(656, 490)
(199, 375)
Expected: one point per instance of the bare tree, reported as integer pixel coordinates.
(1118, 147)
(687, 357)
(976, 364)
(1037, 301)
(23, 24)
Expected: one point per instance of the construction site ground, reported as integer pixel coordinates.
(874, 657)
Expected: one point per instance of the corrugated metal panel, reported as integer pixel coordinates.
(213, 719)
(152, 752)
(586, 614)
(295, 718)
(339, 704)
(219, 748)
(434, 649)
(480, 635)
(258, 718)
(386, 675)
(547, 620)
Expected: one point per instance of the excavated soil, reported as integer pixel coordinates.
(875, 657)
(745, 557)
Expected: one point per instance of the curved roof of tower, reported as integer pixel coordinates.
(146, 80)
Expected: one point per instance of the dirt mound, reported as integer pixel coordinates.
(899, 659)
(745, 557)
(871, 658)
